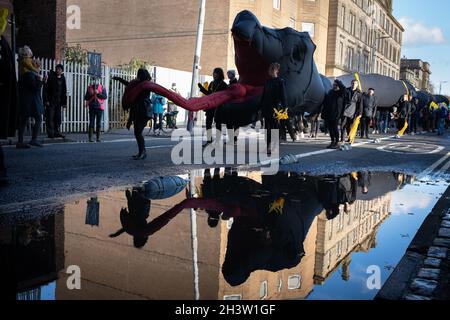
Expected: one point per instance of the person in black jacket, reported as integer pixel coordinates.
(215, 86)
(140, 112)
(332, 111)
(274, 97)
(231, 74)
(55, 98)
(8, 98)
(352, 106)
(31, 105)
(369, 110)
(403, 111)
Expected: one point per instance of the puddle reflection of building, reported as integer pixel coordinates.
(32, 254)
(112, 268)
(328, 245)
(164, 269)
(348, 233)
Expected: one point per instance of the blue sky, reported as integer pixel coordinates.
(427, 35)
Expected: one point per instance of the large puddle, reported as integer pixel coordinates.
(220, 235)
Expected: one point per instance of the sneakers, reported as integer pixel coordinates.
(59, 135)
(23, 146)
(140, 156)
(35, 143)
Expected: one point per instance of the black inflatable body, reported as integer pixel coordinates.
(424, 98)
(441, 99)
(388, 90)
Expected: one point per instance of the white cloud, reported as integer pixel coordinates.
(417, 33)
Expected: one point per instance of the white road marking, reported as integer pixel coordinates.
(404, 147)
(314, 153)
(430, 169)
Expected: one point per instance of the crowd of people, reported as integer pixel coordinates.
(344, 105)
(343, 109)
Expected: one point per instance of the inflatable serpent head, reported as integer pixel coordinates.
(257, 47)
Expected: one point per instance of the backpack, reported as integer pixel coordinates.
(443, 112)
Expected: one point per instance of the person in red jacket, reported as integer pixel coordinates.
(95, 100)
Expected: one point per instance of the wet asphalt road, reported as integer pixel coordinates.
(70, 169)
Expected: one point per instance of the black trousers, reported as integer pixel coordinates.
(346, 126)
(210, 115)
(139, 127)
(95, 118)
(365, 126)
(34, 131)
(333, 128)
(53, 119)
(157, 117)
(286, 126)
(2, 160)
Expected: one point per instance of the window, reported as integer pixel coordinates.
(233, 297)
(263, 290)
(309, 27)
(292, 23)
(277, 4)
(294, 282)
(230, 223)
(350, 58)
(343, 17)
(280, 285)
(341, 53)
(352, 24)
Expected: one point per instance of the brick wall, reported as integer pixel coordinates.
(160, 32)
(41, 24)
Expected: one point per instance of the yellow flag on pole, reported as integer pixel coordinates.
(402, 132)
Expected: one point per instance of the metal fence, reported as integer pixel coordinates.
(75, 118)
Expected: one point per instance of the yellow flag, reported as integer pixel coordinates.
(354, 130)
(277, 206)
(281, 115)
(3, 20)
(402, 132)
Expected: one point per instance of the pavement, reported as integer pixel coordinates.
(424, 271)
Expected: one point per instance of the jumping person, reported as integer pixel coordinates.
(141, 112)
(218, 84)
(332, 111)
(55, 98)
(95, 100)
(353, 101)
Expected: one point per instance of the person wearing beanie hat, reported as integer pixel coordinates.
(232, 77)
(55, 98)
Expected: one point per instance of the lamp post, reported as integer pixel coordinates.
(196, 66)
(440, 86)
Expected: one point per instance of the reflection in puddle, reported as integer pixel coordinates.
(288, 236)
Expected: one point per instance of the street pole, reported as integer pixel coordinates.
(440, 86)
(13, 39)
(196, 66)
(194, 239)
